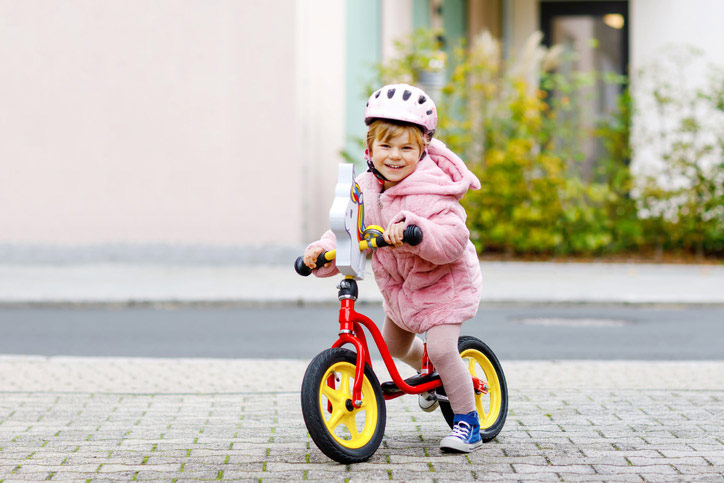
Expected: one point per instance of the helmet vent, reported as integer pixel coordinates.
(403, 103)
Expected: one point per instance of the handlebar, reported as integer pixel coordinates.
(304, 270)
(412, 236)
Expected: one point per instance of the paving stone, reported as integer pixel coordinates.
(150, 424)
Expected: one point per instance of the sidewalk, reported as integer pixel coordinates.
(503, 282)
(114, 419)
(123, 419)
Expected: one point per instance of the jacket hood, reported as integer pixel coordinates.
(441, 172)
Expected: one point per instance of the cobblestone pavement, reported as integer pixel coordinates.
(102, 419)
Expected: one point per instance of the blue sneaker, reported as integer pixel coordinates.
(465, 436)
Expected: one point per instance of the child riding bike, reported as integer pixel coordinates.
(431, 288)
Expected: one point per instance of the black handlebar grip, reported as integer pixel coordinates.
(321, 260)
(412, 235)
(301, 268)
(304, 270)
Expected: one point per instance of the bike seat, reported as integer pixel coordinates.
(390, 387)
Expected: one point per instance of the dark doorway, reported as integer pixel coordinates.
(595, 37)
(573, 24)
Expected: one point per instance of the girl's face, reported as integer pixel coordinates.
(396, 158)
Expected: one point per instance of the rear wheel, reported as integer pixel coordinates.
(341, 430)
(492, 407)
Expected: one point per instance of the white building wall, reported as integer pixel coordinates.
(660, 31)
(320, 59)
(127, 121)
(658, 24)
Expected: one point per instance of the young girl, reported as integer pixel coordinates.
(435, 286)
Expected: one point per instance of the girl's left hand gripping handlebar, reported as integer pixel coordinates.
(412, 236)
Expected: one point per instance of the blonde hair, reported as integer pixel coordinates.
(384, 130)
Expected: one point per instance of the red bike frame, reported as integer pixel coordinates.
(350, 332)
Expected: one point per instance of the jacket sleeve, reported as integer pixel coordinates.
(327, 242)
(444, 234)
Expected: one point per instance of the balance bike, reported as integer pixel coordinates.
(343, 403)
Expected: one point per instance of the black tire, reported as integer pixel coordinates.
(329, 424)
(494, 406)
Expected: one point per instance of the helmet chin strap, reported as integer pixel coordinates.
(380, 177)
(371, 167)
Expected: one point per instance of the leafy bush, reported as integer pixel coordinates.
(680, 136)
(521, 130)
(519, 126)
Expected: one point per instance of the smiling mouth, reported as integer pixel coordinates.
(392, 166)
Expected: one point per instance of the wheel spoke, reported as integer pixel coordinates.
(345, 387)
(336, 397)
(471, 367)
(481, 409)
(351, 424)
(337, 416)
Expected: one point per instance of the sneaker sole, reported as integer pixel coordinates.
(431, 408)
(455, 445)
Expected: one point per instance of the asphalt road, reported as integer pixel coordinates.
(513, 332)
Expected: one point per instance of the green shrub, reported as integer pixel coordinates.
(681, 135)
(520, 129)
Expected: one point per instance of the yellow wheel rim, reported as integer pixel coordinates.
(352, 429)
(487, 405)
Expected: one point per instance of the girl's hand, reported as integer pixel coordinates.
(311, 255)
(394, 233)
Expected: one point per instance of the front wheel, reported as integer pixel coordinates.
(342, 431)
(492, 407)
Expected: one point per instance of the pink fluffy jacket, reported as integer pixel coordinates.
(438, 281)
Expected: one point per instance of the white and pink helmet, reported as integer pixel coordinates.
(403, 102)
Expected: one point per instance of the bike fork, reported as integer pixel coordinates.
(351, 332)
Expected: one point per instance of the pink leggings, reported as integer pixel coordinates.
(442, 349)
